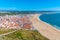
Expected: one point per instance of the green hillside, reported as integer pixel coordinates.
(24, 35)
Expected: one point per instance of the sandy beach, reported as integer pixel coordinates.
(45, 29)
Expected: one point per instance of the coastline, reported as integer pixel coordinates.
(47, 23)
(44, 28)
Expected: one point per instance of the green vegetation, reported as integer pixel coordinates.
(2, 31)
(24, 35)
(12, 13)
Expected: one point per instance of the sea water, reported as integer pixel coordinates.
(53, 19)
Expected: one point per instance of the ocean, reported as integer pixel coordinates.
(52, 19)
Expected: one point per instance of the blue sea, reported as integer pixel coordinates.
(52, 19)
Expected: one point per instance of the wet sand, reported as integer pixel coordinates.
(45, 29)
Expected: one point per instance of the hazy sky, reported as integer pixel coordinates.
(29, 4)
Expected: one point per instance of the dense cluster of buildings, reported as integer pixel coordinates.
(15, 22)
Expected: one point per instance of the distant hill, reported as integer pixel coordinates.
(24, 12)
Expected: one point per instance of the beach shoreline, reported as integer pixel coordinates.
(46, 23)
(44, 28)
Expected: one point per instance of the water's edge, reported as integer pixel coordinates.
(55, 26)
